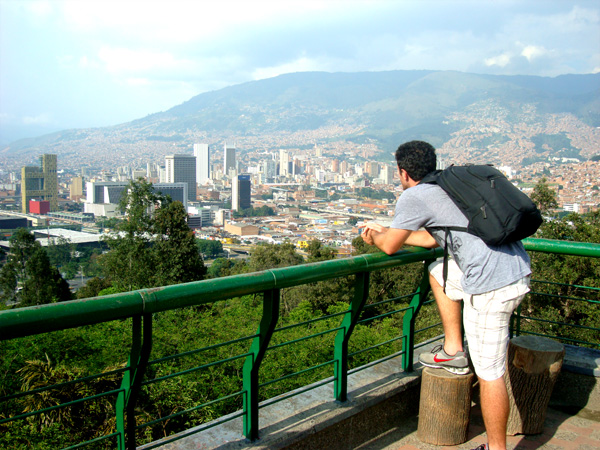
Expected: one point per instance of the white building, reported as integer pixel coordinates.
(102, 198)
(284, 163)
(202, 154)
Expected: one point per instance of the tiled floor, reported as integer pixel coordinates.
(562, 431)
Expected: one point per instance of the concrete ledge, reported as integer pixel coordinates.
(379, 399)
(578, 385)
(585, 361)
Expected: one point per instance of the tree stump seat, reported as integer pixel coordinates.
(444, 407)
(533, 365)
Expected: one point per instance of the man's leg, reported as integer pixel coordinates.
(495, 409)
(486, 321)
(451, 315)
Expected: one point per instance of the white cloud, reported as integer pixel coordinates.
(532, 51)
(40, 119)
(183, 21)
(501, 60)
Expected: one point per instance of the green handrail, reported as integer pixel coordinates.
(141, 305)
(34, 320)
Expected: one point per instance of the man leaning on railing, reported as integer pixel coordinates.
(490, 280)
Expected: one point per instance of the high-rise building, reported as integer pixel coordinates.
(241, 192)
(76, 188)
(182, 169)
(284, 163)
(228, 159)
(40, 183)
(202, 154)
(335, 166)
(269, 168)
(388, 173)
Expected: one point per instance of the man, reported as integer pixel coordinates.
(491, 282)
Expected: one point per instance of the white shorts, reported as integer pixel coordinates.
(486, 318)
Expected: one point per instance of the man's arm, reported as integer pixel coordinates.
(390, 240)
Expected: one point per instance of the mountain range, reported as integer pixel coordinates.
(382, 107)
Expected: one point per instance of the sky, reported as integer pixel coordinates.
(86, 63)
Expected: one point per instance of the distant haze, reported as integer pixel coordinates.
(487, 118)
(68, 64)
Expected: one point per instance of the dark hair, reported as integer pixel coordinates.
(417, 158)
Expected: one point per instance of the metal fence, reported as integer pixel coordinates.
(129, 381)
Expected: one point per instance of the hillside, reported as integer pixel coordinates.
(379, 107)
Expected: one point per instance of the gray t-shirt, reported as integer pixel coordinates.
(485, 268)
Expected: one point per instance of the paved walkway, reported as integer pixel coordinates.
(562, 431)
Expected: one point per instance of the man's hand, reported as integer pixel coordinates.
(390, 240)
(386, 239)
(369, 231)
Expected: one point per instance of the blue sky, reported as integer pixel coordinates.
(88, 63)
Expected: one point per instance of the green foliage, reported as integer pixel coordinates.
(557, 144)
(185, 344)
(254, 212)
(269, 256)
(210, 248)
(28, 278)
(174, 247)
(319, 252)
(155, 246)
(544, 197)
(93, 287)
(221, 267)
(558, 296)
(375, 194)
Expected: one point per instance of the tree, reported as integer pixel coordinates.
(210, 248)
(28, 277)
(154, 246)
(544, 197)
(93, 287)
(269, 256)
(174, 247)
(319, 252)
(563, 275)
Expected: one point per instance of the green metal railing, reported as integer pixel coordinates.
(141, 306)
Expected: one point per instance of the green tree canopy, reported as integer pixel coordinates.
(154, 246)
(28, 277)
(319, 252)
(210, 248)
(544, 197)
(269, 256)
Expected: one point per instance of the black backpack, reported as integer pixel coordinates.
(498, 212)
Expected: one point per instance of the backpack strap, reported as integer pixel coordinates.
(446, 233)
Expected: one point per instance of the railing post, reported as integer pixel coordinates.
(408, 322)
(252, 364)
(361, 293)
(132, 380)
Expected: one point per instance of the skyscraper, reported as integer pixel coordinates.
(284, 163)
(40, 183)
(182, 169)
(202, 154)
(228, 159)
(240, 193)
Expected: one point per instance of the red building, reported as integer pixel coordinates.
(39, 206)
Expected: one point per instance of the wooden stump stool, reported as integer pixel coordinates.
(445, 407)
(533, 365)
